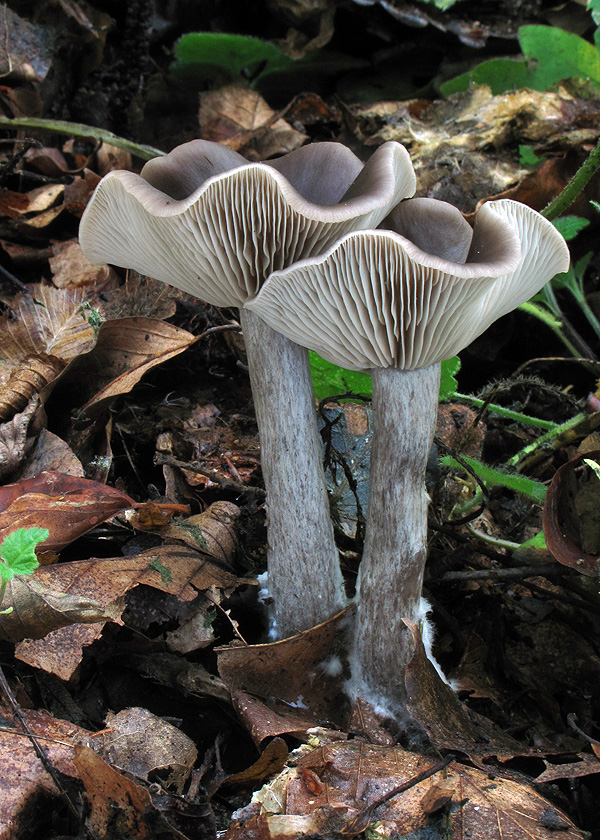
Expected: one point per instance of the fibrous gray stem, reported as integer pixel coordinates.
(305, 579)
(391, 571)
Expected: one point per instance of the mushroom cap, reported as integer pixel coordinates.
(208, 222)
(380, 299)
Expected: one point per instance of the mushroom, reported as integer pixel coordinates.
(205, 220)
(396, 303)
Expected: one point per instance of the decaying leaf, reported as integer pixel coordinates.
(449, 724)
(211, 532)
(37, 610)
(50, 321)
(27, 787)
(291, 685)
(118, 806)
(240, 118)
(176, 570)
(71, 268)
(14, 441)
(572, 514)
(26, 380)
(141, 743)
(68, 506)
(125, 350)
(355, 777)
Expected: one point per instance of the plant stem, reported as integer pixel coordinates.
(575, 186)
(304, 575)
(549, 436)
(506, 412)
(391, 572)
(81, 130)
(555, 325)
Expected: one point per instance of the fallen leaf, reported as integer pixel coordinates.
(291, 685)
(118, 806)
(449, 724)
(211, 532)
(240, 118)
(176, 570)
(142, 744)
(68, 506)
(71, 268)
(355, 777)
(27, 786)
(565, 526)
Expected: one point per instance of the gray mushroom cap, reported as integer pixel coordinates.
(205, 220)
(416, 293)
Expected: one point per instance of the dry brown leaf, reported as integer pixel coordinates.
(173, 569)
(271, 761)
(240, 118)
(12, 204)
(141, 743)
(13, 440)
(291, 685)
(41, 198)
(336, 788)
(38, 610)
(211, 532)
(118, 806)
(141, 296)
(50, 453)
(125, 350)
(449, 724)
(26, 785)
(50, 321)
(26, 380)
(68, 506)
(71, 268)
(586, 766)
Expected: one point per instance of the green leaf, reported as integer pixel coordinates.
(527, 157)
(198, 55)
(551, 55)
(18, 552)
(448, 383)
(500, 74)
(594, 7)
(495, 478)
(569, 226)
(331, 381)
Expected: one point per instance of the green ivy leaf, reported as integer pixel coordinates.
(18, 552)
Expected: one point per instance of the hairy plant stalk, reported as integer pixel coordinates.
(391, 571)
(305, 579)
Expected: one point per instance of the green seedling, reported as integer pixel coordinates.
(17, 553)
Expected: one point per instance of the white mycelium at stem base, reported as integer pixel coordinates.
(396, 302)
(206, 221)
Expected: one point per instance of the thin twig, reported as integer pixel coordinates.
(362, 821)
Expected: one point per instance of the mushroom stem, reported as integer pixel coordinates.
(391, 571)
(304, 575)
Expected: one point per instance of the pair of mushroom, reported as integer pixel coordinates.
(294, 243)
